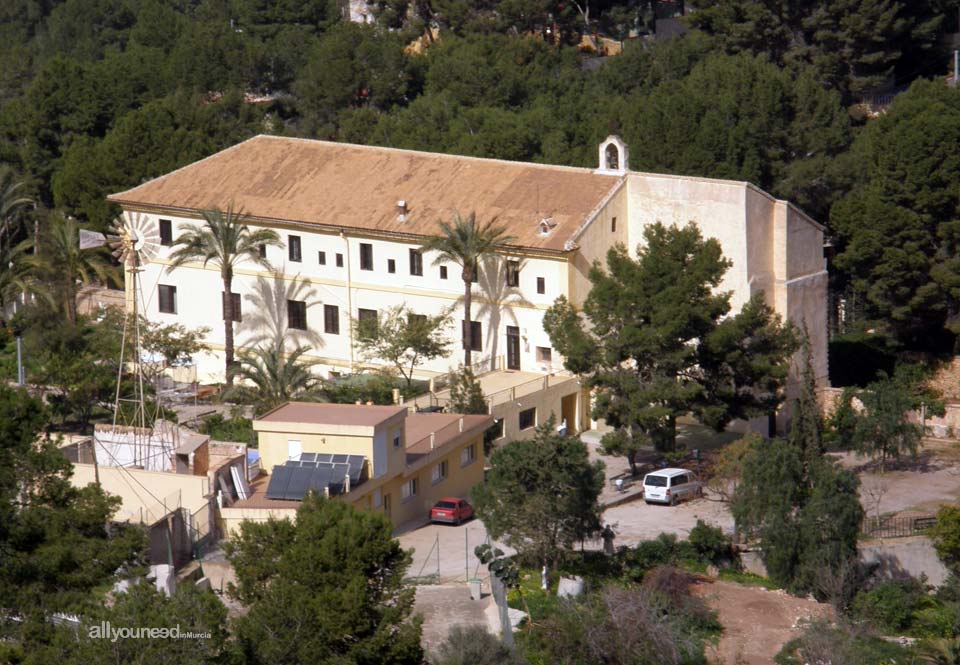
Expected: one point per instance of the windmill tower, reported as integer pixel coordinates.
(135, 438)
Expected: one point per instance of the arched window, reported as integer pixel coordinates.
(612, 155)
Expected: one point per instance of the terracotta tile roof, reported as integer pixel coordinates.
(338, 185)
(317, 413)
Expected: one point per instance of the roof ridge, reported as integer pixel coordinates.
(427, 153)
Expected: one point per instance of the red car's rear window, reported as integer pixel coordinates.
(445, 504)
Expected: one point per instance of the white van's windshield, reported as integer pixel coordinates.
(655, 481)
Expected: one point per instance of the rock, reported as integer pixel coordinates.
(570, 587)
(713, 571)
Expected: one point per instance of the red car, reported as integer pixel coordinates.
(451, 510)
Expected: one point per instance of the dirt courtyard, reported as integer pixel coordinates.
(756, 622)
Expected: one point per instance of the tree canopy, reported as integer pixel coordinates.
(327, 588)
(655, 341)
(541, 494)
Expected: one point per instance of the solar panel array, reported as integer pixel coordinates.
(314, 472)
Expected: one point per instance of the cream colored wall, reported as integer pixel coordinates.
(459, 482)
(231, 518)
(199, 299)
(717, 207)
(273, 438)
(595, 241)
(546, 401)
(274, 451)
(759, 228)
(143, 493)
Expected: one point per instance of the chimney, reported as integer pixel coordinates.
(401, 210)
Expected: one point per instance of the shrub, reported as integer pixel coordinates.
(946, 536)
(363, 387)
(673, 586)
(617, 625)
(474, 645)
(891, 605)
(821, 642)
(711, 544)
(664, 550)
(938, 620)
(237, 428)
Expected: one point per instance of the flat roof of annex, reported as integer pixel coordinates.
(323, 417)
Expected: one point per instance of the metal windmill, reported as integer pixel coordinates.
(132, 439)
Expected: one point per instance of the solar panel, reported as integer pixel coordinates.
(279, 479)
(355, 466)
(303, 463)
(324, 457)
(308, 457)
(299, 482)
(340, 459)
(319, 480)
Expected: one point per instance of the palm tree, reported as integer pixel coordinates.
(267, 322)
(466, 242)
(224, 240)
(15, 273)
(277, 377)
(11, 204)
(62, 268)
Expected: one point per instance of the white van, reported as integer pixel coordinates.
(670, 486)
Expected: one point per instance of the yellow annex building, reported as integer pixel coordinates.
(407, 461)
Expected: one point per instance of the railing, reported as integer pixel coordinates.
(483, 366)
(202, 529)
(527, 388)
(438, 438)
(896, 527)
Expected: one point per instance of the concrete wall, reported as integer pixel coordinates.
(896, 558)
(143, 492)
(905, 557)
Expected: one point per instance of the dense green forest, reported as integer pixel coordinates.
(99, 95)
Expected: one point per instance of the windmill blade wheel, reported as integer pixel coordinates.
(138, 239)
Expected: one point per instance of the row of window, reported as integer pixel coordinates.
(438, 473)
(297, 317)
(415, 263)
(295, 254)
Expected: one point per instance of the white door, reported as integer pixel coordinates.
(294, 448)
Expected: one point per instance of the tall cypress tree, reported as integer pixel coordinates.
(806, 429)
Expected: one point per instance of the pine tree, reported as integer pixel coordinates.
(329, 589)
(655, 342)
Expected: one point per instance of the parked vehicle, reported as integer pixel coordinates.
(451, 510)
(671, 486)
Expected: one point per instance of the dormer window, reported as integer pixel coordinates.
(546, 225)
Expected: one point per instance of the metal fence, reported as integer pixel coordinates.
(896, 527)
